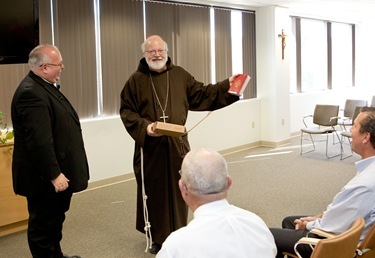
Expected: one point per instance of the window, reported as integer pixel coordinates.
(342, 65)
(313, 55)
(323, 56)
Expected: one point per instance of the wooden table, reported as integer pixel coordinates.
(13, 208)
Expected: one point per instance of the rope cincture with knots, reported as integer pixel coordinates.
(147, 227)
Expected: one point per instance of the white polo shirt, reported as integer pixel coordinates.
(221, 230)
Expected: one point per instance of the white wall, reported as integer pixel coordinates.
(272, 73)
(110, 148)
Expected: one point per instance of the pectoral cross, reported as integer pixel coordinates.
(164, 117)
(283, 42)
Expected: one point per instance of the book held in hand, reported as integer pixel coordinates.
(169, 129)
(239, 84)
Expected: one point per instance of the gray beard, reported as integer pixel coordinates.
(156, 65)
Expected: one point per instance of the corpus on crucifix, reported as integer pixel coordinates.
(283, 42)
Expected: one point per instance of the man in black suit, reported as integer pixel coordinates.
(49, 159)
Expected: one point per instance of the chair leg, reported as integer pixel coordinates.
(289, 255)
(342, 149)
(333, 137)
(334, 134)
(313, 143)
(338, 138)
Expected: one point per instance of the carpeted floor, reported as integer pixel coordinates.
(271, 182)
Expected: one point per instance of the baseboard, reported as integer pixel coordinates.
(240, 148)
(295, 134)
(274, 144)
(130, 176)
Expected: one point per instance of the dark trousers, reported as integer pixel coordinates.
(287, 236)
(46, 217)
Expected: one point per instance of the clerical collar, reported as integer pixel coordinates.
(54, 84)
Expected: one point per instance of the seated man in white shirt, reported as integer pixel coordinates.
(218, 228)
(356, 198)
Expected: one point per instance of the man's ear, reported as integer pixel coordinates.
(229, 182)
(367, 138)
(182, 187)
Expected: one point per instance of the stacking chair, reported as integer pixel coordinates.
(348, 111)
(341, 246)
(367, 247)
(324, 121)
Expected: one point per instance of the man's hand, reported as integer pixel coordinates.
(61, 183)
(151, 132)
(301, 223)
(232, 77)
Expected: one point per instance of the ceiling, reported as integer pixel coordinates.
(339, 10)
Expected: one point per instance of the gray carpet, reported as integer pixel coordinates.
(272, 183)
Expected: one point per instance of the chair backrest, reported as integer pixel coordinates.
(323, 114)
(368, 244)
(357, 110)
(351, 104)
(343, 245)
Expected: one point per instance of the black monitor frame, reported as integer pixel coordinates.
(19, 30)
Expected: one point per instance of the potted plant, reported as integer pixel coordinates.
(5, 133)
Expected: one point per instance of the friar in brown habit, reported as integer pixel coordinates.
(161, 91)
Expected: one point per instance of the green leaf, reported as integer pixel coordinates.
(9, 135)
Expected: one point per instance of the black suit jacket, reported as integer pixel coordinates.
(48, 139)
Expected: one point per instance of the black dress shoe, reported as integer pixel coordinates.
(68, 256)
(155, 248)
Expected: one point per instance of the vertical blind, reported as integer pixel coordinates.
(121, 35)
(223, 44)
(193, 41)
(72, 28)
(161, 20)
(10, 77)
(75, 37)
(249, 56)
(188, 39)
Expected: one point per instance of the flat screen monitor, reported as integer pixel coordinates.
(19, 30)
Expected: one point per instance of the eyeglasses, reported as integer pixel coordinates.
(60, 64)
(153, 52)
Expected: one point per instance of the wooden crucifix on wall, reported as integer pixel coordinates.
(283, 42)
